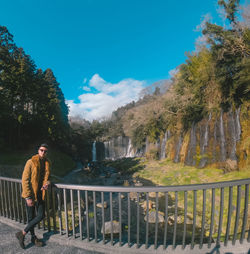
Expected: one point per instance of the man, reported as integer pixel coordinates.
(34, 183)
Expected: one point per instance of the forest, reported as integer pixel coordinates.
(215, 76)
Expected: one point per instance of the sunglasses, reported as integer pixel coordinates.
(42, 150)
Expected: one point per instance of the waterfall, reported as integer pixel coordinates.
(178, 148)
(204, 144)
(147, 145)
(130, 152)
(163, 146)
(215, 141)
(232, 132)
(94, 151)
(234, 129)
(222, 138)
(118, 147)
(192, 147)
(237, 124)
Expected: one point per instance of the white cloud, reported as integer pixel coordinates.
(86, 88)
(107, 98)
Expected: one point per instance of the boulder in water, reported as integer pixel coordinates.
(99, 205)
(152, 217)
(116, 227)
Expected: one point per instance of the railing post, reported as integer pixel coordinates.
(221, 215)
(94, 206)
(138, 221)
(120, 218)
(17, 203)
(194, 219)
(185, 220)
(244, 222)
(87, 213)
(129, 220)
(59, 211)
(111, 217)
(175, 218)
(203, 217)
(237, 214)
(53, 208)
(47, 208)
(146, 242)
(212, 218)
(103, 217)
(2, 203)
(79, 213)
(65, 212)
(72, 213)
(166, 221)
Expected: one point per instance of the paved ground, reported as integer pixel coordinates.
(10, 245)
(56, 244)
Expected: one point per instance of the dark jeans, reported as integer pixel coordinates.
(34, 218)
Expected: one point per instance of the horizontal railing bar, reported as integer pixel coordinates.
(155, 188)
(146, 188)
(11, 179)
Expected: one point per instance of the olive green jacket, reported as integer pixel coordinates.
(30, 177)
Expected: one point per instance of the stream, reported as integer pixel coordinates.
(97, 174)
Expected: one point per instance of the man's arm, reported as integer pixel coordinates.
(26, 184)
(46, 181)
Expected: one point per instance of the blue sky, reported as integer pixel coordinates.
(104, 52)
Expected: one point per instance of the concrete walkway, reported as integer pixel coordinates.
(10, 245)
(56, 244)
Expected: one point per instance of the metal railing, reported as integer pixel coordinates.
(142, 216)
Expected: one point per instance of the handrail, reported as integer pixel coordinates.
(187, 187)
(180, 214)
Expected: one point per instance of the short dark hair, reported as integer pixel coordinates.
(44, 145)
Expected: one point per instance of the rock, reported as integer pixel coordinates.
(133, 195)
(122, 196)
(152, 217)
(99, 205)
(150, 205)
(152, 194)
(171, 220)
(138, 184)
(116, 227)
(231, 165)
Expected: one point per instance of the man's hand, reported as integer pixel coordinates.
(29, 202)
(45, 187)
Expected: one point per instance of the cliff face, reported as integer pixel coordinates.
(223, 138)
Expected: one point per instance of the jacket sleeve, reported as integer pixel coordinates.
(26, 180)
(47, 173)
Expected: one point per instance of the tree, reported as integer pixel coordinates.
(230, 48)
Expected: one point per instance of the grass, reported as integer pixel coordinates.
(168, 173)
(13, 162)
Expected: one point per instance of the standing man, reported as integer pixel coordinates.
(34, 183)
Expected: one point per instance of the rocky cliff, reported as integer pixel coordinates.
(222, 138)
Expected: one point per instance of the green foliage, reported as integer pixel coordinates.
(139, 137)
(32, 104)
(230, 48)
(192, 113)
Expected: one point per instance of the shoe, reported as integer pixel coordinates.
(20, 237)
(36, 241)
